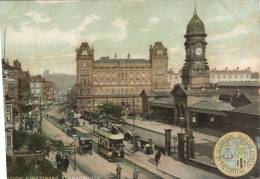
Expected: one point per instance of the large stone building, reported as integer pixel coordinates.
(42, 90)
(118, 80)
(233, 75)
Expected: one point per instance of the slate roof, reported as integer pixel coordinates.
(253, 108)
(251, 98)
(239, 83)
(211, 105)
(108, 60)
(167, 102)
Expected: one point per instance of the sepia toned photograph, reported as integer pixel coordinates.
(131, 89)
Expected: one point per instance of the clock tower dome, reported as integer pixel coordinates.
(195, 71)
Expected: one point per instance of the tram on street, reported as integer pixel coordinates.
(85, 145)
(110, 144)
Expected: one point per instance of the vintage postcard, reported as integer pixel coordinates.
(131, 89)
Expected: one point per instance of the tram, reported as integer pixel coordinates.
(110, 144)
(85, 145)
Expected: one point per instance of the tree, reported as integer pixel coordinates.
(48, 170)
(19, 139)
(57, 145)
(113, 111)
(36, 142)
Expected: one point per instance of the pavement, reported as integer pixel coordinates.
(160, 127)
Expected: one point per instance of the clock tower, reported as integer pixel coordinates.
(195, 71)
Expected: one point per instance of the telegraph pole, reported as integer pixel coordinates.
(4, 42)
(107, 114)
(134, 125)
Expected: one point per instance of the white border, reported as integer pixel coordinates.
(2, 122)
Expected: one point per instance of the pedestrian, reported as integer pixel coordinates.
(118, 171)
(157, 157)
(135, 173)
(63, 162)
(66, 163)
(58, 160)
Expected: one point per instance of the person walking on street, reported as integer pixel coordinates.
(58, 160)
(66, 163)
(63, 162)
(118, 171)
(157, 157)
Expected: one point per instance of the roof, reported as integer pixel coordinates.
(153, 93)
(120, 60)
(239, 83)
(195, 26)
(176, 91)
(251, 98)
(211, 107)
(253, 108)
(107, 134)
(167, 102)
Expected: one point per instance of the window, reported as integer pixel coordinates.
(9, 141)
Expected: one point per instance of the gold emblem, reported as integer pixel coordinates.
(235, 154)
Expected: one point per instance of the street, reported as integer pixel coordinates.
(98, 166)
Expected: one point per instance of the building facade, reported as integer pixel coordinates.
(233, 75)
(173, 77)
(43, 91)
(37, 89)
(118, 80)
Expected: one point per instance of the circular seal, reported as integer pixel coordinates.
(235, 154)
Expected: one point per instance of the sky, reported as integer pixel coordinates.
(44, 34)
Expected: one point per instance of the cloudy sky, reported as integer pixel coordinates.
(45, 34)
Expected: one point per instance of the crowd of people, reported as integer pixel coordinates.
(62, 162)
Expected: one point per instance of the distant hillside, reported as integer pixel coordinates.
(61, 81)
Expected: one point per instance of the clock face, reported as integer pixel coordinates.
(198, 51)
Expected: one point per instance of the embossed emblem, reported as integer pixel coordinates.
(235, 154)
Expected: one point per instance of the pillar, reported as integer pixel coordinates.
(181, 145)
(168, 141)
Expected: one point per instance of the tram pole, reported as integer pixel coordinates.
(74, 166)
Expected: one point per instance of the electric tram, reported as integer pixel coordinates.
(110, 143)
